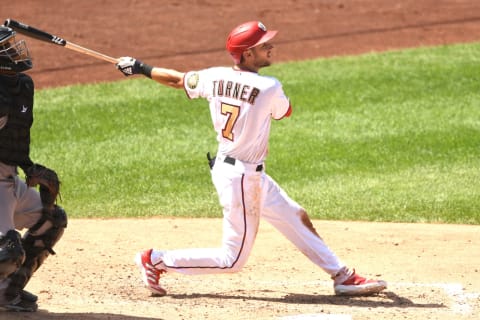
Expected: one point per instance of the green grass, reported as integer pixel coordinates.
(393, 136)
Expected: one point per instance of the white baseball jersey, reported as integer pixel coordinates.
(242, 104)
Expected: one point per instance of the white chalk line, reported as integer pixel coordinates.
(455, 291)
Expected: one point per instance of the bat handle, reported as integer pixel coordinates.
(95, 54)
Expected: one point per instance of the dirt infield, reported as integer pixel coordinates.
(433, 270)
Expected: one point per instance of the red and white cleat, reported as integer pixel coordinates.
(355, 285)
(150, 274)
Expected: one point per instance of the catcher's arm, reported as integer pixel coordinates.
(168, 77)
(48, 181)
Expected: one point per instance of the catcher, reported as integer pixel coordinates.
(22, 206)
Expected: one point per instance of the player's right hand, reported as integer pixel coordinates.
(128, 66)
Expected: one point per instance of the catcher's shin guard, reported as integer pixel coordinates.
(12, 254)
(38, 244)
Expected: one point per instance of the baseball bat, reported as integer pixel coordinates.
(50, 38)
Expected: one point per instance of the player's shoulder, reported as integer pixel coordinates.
(271, 79)
(216, 70)
(207, 72)
(27, 83)
(19, 82)
(269, 82)
(26, 79)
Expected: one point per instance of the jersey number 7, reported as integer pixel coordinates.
(232, 113)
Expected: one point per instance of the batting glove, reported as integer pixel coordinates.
(129, 66)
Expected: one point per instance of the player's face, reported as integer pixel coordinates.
(262, 55)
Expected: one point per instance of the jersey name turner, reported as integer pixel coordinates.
(242, 105)
(235, 90)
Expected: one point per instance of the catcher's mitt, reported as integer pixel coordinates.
(48, 181)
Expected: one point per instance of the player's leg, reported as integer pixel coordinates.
(288, 217)
(45, 228)
(240, 225)
(12, 253)
(238, 195)
(294, 223)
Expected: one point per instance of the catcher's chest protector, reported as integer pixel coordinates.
(16, 102)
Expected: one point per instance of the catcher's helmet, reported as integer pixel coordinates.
(246, 36)
(14, 56)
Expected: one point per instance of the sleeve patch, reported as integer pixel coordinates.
(192, 81)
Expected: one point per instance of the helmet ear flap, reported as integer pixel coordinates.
(237, 57)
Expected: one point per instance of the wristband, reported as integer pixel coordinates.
(146, 69)
(143, 68)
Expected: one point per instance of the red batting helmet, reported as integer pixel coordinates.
(246, 36)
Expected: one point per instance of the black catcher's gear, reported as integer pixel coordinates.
(48, 181)
(14, 56)
(12, 254)
(37, 248)
(16, 119)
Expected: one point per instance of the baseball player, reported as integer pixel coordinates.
(21, 205)
(242, 104)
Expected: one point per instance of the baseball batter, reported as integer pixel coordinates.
(242, 104)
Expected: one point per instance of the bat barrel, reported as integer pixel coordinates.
(47, 37)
